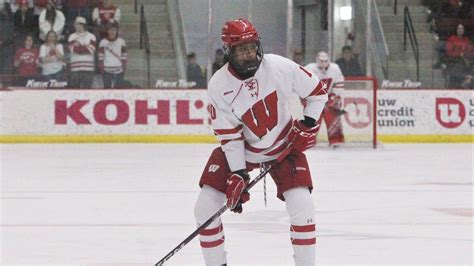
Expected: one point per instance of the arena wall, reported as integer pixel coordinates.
(180, 115)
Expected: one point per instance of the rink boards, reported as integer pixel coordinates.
(181, 115)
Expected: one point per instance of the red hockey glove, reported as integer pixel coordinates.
(303, 137)
(334, 102)
(235, 193)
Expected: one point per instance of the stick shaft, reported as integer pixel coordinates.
(209, 221)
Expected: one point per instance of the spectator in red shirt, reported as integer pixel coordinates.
(458, 46)
(458, 57)
(26, 62)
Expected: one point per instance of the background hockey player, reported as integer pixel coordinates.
(251, 118)
(331, 74)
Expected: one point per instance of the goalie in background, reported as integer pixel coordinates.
(331, 74)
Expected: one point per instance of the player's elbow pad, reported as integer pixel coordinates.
(314, 106)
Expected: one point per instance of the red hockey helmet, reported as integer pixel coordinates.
(236, 32)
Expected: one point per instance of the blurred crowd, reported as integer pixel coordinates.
(77, 43)
(452, 23)
(66, 43)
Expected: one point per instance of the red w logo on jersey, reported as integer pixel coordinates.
(263, 116)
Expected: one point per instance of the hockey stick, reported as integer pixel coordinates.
(221, 210)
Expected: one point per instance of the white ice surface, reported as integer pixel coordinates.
(129, 204)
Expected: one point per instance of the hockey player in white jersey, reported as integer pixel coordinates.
(250, 117)
(331, 74)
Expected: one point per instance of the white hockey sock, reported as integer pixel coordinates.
(210, 201)
(300, 207)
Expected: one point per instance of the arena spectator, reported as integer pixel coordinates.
(219, 61)
(458, 57)
(194, 72)
(349, 64)
(26, 62)
(103, 14)
(15, 5)
(82, 45)
(6, 37)
(77, 8)
(51, 19)
(24, 22)
(113, 58)
(52, 58)
(458, 46)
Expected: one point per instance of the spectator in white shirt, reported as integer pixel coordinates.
(113, 58)
(82, 45)
(51, 19)
(52, 58)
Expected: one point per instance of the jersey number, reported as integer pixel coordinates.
(263, 116)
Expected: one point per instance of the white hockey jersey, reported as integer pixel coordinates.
(82, 47)
(251, 117)
(332, 76)
(113, 55)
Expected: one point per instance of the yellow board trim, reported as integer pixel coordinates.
(426, 138)
(206, 139)
(108, 139)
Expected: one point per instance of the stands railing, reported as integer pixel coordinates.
(178, 36)
(378, 53)
(381, 48)
(409, 30)
(145, 44)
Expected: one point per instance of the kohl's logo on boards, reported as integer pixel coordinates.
(358, 112)
(391, 115)
(450, 112)
(405, 84)
(174, 84)
(46, 84)
(113, 112)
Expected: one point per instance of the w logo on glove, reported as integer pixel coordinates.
(236, 194)
(303, 137)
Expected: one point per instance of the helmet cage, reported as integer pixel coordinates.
(247, 69)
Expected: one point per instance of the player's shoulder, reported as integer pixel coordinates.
(334, 69)
(277, 60)
(311, 66)
(334, 66)
(222, 76)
